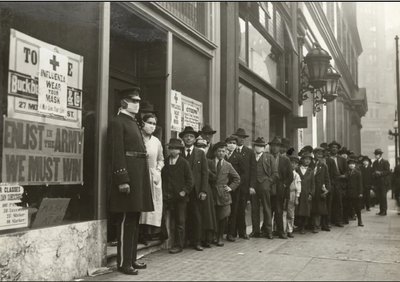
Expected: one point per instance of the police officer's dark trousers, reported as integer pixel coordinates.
(127, 232)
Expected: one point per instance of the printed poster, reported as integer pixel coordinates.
(11, 215)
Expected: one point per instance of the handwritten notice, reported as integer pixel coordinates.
(176, 111)
(192, 113)
(11, 215)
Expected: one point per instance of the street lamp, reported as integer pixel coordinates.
(318, 78)
(394, 134)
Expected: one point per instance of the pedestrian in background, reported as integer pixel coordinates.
(380, 173)
(177, 186)
(354, 190)
(223, 179)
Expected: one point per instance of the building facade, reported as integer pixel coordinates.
(227, 64)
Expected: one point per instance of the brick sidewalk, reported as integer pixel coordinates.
(349, 253)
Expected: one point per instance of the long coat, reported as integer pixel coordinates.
(248, 175)
(307, 188)
(284, 179)
(381, 181)
(321, 177)
(354, 184)
(226, 176)
(366, 175)
(129, 165)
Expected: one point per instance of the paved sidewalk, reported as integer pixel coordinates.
(349, 253)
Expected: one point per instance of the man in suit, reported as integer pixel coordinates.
(247, 162)
(198, 164)
(130, 192)
(207, 134)
(339, 184)
(380, 174)
(280, 191)
(233, 157)
(224, 180)
(266, 173)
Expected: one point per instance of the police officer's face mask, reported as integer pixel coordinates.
(132, 107)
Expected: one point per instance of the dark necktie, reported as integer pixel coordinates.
(219, 166)
(188, 153)
(238, 150)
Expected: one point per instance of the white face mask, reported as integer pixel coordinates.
(149, 128)
(132, 107)
(352, 166)
(259, 149)
(232, 147)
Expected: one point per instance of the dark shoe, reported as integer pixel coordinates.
(128, 270)
(302, 231)
(325, 229)
(314, 230)
(290, 235)
(360, 224)
(339, 225)
(230, 238)
(175, 250)
(346, 222)
(244, 236)
(206, 245)
(275, 233)
(255, 235)
(198, 248)
(269, 236)
(283, 236)
(139, 265)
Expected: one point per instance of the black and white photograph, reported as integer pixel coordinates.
(199, 141)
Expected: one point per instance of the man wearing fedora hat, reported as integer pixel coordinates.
(247, 175)
(380, 173)
(177, 185)
(130, 190)
(266, 173)
(281, 189)
(198, 164)
(207, 134)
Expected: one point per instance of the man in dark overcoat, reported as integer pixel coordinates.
(380, 174)
(339, 186)
(366, 175)
(207, 134)
(199, 167)
(247, 177)
(280, 190)
(130, 191)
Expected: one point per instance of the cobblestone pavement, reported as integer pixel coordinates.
(349, 253)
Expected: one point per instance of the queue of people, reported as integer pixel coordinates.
(204, 188)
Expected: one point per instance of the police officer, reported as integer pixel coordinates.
(130, 192)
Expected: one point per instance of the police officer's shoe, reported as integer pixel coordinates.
(139, 265)
(128, 270)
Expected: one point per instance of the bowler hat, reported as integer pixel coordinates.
(307, 148)
(131, 93)
(200, 142)
(147, 107)
(351, 161)
(324, 145)
(175, 143)
(290, 151)
(187, 130)
(218, 145)
(344, 150)
(335, 143)
(207, 129)
(318, 150)
(259, 142)
(365, 158)
(276, 141)
(378, 152)
(306, 155)
(231, 138)
(241, 133)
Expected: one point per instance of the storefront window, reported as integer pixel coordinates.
(48, 170)
(262, 58)
(261, 110)
(245, 116)
(243, 40)
(190, 77)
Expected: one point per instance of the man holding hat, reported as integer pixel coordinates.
(177, 185)
(130, 190)
(198, 164)
(207, 134)
(247, 162)
(281, 189)
(380, 173)
(266, 173)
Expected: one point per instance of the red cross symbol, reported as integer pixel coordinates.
(54, 63)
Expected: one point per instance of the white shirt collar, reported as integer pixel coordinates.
(191, 149)
(240, 147)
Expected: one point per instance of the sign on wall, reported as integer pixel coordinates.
(37, 153)
(192, 111)
(176, 110)
(11, 215)
(44, 82)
